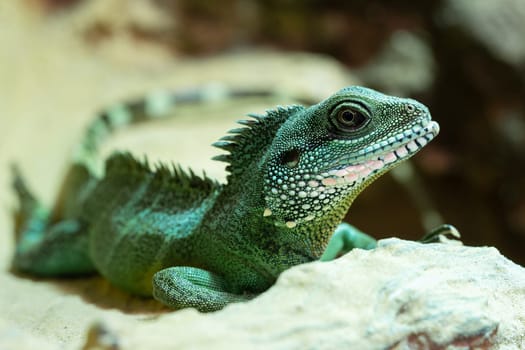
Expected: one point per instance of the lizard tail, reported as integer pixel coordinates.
(118, 116)
(158, 105)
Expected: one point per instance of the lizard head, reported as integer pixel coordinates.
(323, 156)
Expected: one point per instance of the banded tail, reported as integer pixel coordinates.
(157, 105)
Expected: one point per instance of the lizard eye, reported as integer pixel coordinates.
(410, 108)
(290, 158)
(350, 119)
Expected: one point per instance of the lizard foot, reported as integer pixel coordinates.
(345, 238)
(182, 286)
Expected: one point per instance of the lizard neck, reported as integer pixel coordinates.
(245, 206)
(316, 234)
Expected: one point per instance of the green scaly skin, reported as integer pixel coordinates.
(191, 242)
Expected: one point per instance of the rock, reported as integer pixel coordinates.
(402, 295)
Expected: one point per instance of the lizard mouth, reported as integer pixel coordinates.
(383, 155)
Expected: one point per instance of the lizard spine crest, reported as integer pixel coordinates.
(168, 174)
(246, 144)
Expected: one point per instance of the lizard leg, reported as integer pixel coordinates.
(44, 249)
(183, 286)
(345, 238)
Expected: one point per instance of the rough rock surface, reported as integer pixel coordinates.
(403, 295)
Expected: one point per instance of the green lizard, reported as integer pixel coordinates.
(189, 241)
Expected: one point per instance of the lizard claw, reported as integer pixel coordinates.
(442, 234)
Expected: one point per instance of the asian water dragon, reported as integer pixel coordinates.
(189, 241)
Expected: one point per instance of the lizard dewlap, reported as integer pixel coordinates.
(189, 241)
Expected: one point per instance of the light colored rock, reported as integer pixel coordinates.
(403, 293)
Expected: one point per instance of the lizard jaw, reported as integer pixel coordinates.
(399, 148)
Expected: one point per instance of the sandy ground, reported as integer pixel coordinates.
(50, 87)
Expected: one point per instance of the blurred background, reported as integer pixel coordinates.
(62, 60)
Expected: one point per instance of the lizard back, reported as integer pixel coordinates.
(141, 219)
